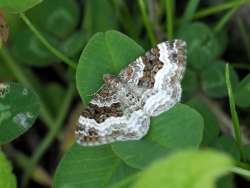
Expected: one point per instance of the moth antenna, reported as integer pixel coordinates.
(93, 94)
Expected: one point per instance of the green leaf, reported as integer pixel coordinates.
(202, 49)
(122, 172)
(19, 108)
(222, 39)
(213, 79)
(107, 52)
(194, 169)
(185, 125)
(242, 92)
(181, 127)
(27, 49)
(17, 6)
(90, 167)
(234, 114)
(57, 19)
(74, 44)
(99, 17)
(189, 84)
(7, 178)
(227, 144)
(211, 127)
(139, 154)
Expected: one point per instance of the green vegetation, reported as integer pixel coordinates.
(54, 60)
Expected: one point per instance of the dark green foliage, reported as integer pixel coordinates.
(211, 127)
(242, 92)
(202, 48)
(213, 79)
(19, 108)
(97, 37)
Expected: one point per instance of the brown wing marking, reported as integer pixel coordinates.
(100, 114)
(152, 66)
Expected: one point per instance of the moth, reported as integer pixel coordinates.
(122, 107)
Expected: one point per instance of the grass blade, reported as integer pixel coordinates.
(170, 19)
(189, 11)
(235, 118)
(221, 7)
(241, 172)
(146, 22)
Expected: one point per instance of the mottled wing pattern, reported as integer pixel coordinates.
(155, 77)
(166, 91)
(109, 118)
(122, 108)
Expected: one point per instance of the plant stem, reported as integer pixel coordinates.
(221, 7)
(39, 175)
(51, 135)
(222, 22)
(241, 171)
(170, 19)
(45, 42)
(22, 78)
(146, 22)
(234, 114)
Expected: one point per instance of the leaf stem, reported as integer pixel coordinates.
(170, 19)
(146, 22)
(235, 118)
(221, 7)
(22, 78)
(51, 135)
(241, 171)
(45, 42)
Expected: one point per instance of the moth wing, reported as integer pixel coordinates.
(166, 90)
(155, 77)
(107, 119)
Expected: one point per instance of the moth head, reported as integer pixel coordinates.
(111, 80)
(108, 78)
